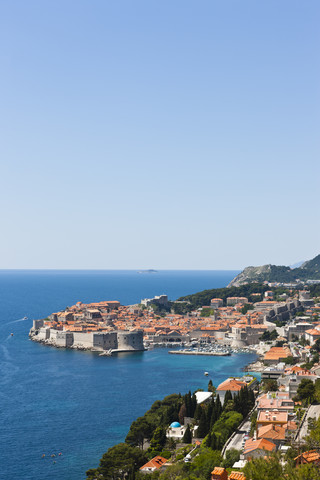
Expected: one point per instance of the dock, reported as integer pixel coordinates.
(188, 352)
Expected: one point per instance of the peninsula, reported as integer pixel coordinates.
(237, 318)
(87, 327)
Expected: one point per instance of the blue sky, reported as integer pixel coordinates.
(159, 134)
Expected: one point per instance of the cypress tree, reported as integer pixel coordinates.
(193, 405)
(182, 413)
(213, 442)
(187, 437)
(218, 406)
(188, 405)
(227, 398)
(203, 425)
(209, 411)
(237, 405)
(214, 417)
(198, 412)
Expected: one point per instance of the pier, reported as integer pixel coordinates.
(197, 352)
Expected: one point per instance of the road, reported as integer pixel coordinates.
(313, 411)
(236, 442)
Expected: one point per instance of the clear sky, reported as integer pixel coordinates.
(168, 134)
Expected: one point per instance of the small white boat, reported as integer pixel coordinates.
(106, 353)
(206, 373)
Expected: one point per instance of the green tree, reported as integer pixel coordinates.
(203, 428)
(313, 438)
(270, 385)
(205, 462)
(316, 346)
(182, 413)
(187, 437)
(261, 469)
(289, 361)
(268, 336)
(139, 431)
(227, 398)
(158, 439)
(246, 307)
(211, 387)
(232, 456)
(306, 390)
(119, 462)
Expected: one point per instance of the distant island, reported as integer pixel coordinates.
(148, 271)
(308, 272)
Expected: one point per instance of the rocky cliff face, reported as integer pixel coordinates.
(251, 274)
(274, 273)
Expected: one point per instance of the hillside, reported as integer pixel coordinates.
(204, 298)
(309, 270)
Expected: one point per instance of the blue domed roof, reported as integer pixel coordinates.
(175, 425)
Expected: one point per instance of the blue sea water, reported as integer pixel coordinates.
(77, 403)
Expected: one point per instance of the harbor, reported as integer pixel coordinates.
(198, 352)
(213, 350)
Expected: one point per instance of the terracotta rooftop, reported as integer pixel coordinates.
(273, 432)
(261, 444)
(309, 457)
(231, 384)
(236, 476)
(155, 462)
(272, 416)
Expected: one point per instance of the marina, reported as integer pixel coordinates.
(198, 352)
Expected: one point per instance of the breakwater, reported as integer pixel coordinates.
(196, 352)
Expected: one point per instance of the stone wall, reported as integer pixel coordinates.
(83, 340)
(105, 341)
(128, 341)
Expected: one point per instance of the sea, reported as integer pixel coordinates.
(60, 410)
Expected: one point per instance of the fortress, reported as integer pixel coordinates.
(87, 327)
(116, 341)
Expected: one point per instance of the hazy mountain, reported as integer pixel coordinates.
(309, 270)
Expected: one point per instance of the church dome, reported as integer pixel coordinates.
(175, 425)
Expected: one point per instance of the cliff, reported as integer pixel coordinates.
(309, 270)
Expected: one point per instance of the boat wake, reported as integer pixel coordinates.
(14, 321)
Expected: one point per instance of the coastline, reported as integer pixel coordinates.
(70, 382)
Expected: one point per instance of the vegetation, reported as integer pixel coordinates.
(211, 387)
(246, 308)
(272, 468)
(306, 391)
(203, 298)
(313, 438)
(289, 360)
(119, 462)
(270, 385)
(232, 456)
(275, 273)
(207, 312)
(216, 422)
(161, 414)
(187, 437)
(269, 336)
